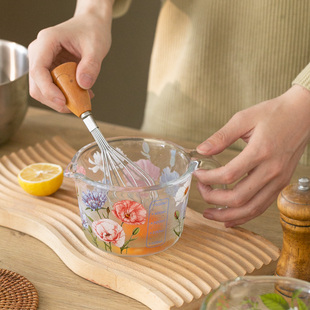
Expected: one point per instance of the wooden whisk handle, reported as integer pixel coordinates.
(78, 100)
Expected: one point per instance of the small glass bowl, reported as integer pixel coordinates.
(260, 293)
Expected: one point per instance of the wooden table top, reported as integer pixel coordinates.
(58, 287)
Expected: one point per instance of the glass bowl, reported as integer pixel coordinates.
(139, 220)
(260, 293)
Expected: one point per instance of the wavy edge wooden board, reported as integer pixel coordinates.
(178, 278)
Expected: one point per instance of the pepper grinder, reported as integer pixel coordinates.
(294, 206)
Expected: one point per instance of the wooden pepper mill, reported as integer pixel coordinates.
(294, 206)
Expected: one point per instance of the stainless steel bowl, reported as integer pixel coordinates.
(14, 94)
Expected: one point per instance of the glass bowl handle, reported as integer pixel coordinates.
(203, 161)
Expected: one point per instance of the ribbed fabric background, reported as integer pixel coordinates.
(212, 58)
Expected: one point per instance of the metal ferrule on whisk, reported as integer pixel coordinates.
(89, 121)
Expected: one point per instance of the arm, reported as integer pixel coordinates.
(276, 132)
(85, 38)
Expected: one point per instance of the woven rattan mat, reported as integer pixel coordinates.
(16, 292)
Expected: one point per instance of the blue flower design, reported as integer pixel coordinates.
(84, 220)
(167, 176)
(94, 200)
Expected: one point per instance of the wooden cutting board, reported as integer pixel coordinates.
(206, 254)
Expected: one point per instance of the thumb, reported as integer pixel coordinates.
(87, 72)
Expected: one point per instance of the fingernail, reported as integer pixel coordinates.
(208, 215)
(204, 147)
(86, 81)
(229, 225)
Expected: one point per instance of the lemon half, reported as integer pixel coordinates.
(41, 179)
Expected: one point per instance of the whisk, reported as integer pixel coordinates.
(118, 169)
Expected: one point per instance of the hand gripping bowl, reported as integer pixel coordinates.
(135, 221)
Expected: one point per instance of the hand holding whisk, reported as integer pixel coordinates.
(118, 169)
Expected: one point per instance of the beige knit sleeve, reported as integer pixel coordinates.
(303, 78)
(120, 7)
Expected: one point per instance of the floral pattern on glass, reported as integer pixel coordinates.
(94, 201)
(129, 212)
(118, 223)
(97, 162)
(147, 166)
(109, 232)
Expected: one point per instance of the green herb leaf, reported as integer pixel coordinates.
(301, 304)
(296, 293)
(274, 302)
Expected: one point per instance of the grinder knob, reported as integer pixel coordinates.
(294, 206)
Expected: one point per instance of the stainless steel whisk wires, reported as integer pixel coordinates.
(118, 169)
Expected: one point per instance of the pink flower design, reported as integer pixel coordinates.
(148, 167)
(81, 169)
(130, 212)
(109, 231)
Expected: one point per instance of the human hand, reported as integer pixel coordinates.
(85, 39)
(276, 132)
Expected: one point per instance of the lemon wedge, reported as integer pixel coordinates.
(41, 179)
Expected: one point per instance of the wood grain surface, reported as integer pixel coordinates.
(180, 277)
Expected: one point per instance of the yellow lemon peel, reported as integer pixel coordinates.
(41, 179)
